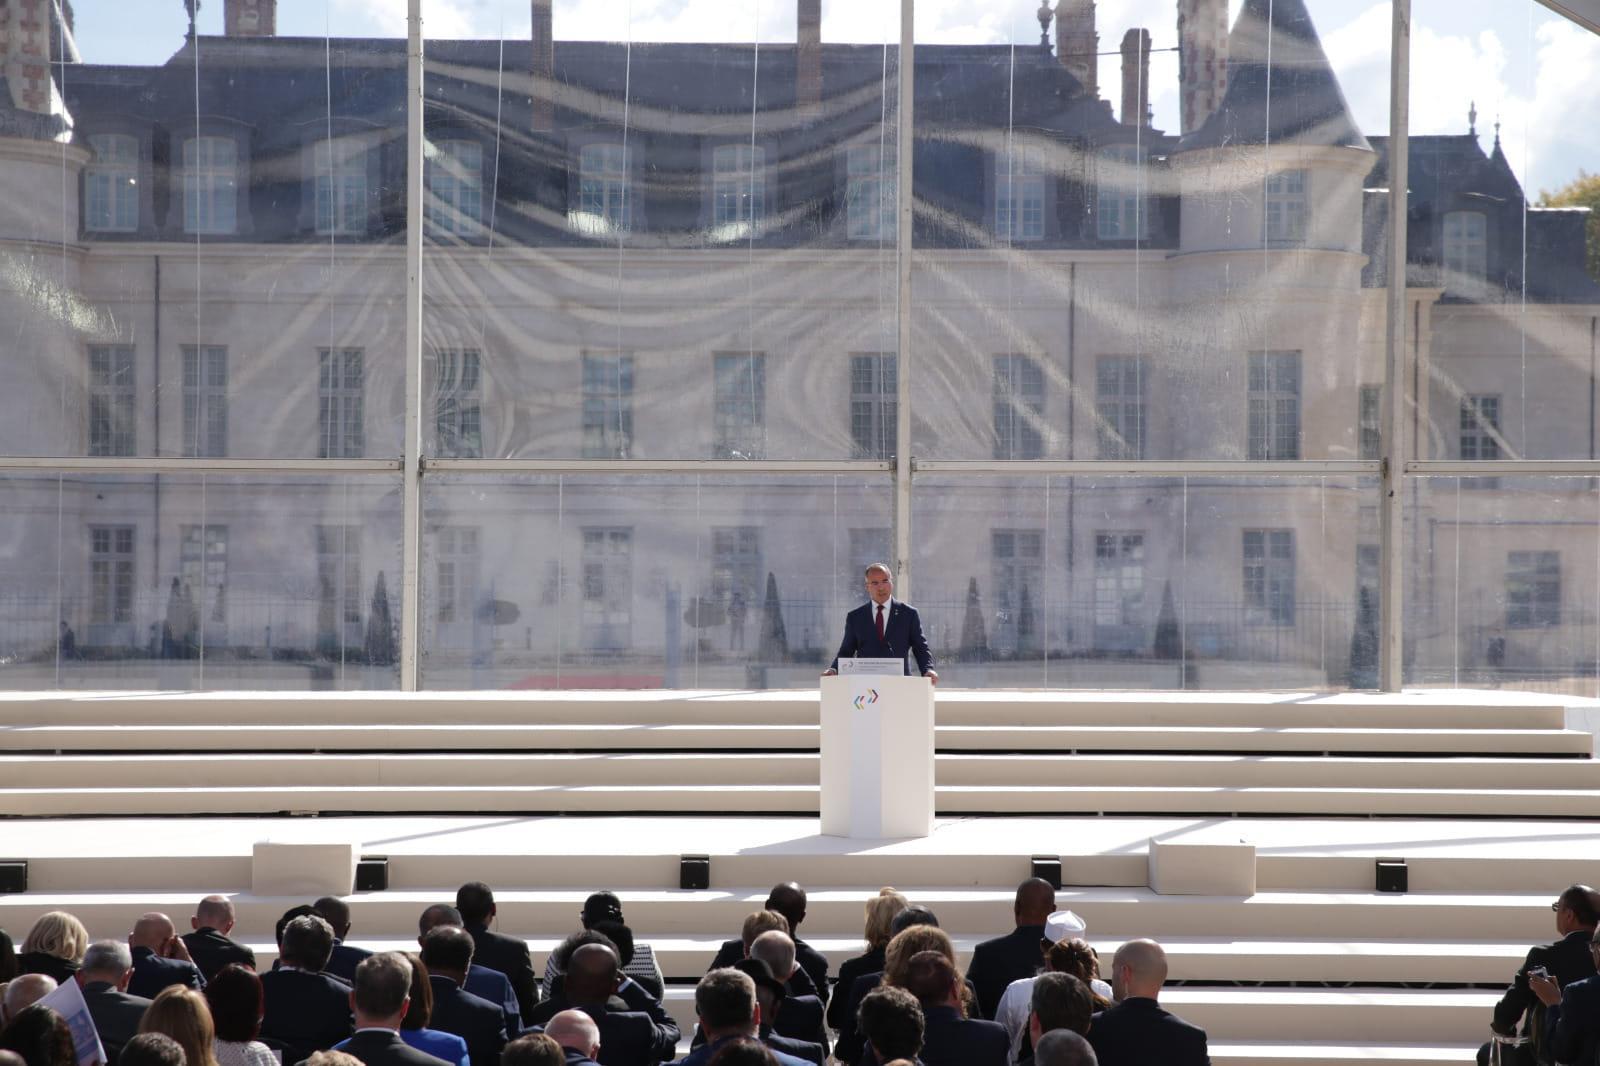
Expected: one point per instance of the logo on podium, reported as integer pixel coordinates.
(869, 696)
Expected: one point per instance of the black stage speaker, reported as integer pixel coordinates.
(1392, 875)
(694, 871)
(1048, 868)
(13, 877)
(372, 873)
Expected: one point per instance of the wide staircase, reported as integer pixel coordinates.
(1489, 799)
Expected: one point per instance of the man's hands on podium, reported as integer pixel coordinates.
(931, 675)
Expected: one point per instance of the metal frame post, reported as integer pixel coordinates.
(411, 489)
(1391, 577)
(906, 86)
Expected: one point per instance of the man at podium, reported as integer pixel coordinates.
(883, 627)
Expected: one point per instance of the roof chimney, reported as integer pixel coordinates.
(1136, 78)
(250, 18)
(1202, 58)
(26, 29)
(1077, 43)
(544, 67)
(808, 56)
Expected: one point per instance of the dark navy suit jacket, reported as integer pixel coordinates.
(998, 962)
(152, 973)
(902, 635)
(1138, 1030)
(477, 1021)
(1572, 1029)
(306, 1012)
(951, 1040)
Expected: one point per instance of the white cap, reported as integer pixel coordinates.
(1063, 925)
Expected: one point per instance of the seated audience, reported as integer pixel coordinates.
(152, 1049)
(1064, 1048)
(998, 962)
(1572, 1015)
(182, 1013)
(345, 958)
(847, 1048)
(300, 911)
(622, 938)
(643, 968)
(627, 1037)
(23, 992)
(160, 959)
(743, 1052)
(8, 958)
(756, 923)
(234, 995)
(414, 1028)
(536, 1049)
(1577, 914)
(447, 953)
(789, 900)
(380, 998)
(53, 946)
(483, 982)
(208, 945)
(1137, 1030)
(107, 968)
(772, 998)
(40, 1037)
(1069, 956)
(497, 951)
(1059, 1001)
(891, 1024)
(802, 1017)
(578, 1036)
(881, 910)
(725, 1003)
(306, 1009)
(950, 1038)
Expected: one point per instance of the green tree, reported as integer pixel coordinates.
(380, 626)
(974, 641)
(1582, 191)
(774, 645)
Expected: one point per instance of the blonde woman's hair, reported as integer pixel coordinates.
(907, 943)
(881, 911)
(60, 934)
(183, 1014)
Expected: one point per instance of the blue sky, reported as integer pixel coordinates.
(1536, 73)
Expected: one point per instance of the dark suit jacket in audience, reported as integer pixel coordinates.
(383, 1047)
(510, 956)
(998, 962)
(1572, 1029)
(152, 973)
(849, 970)
(477, 1021)
(63, 970)
(1567, 960)
(800, 1049)
(493, 986)
(810, 980)
(800, 1018)
(951, 1040)
(116, 1015)
(849, 1045)
(305, 1012)
(211, 951)
(1138, 1031)
(344, 960)
(702, 1055)
(631, 1038)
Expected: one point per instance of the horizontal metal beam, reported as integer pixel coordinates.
(1504, 468)
(655, 466)
(1585, 13)
(119, 465)
(1152, 468)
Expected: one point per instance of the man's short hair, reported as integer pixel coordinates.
(776, 949)
(758, 922)
(534, 1049)
(214, 911)
(447, 947)
(574, 941)
(152, 1049)
(307, 942)
(1061, 1001)
(890, 1019)
(335, 910)
(437, 914)
(912, 915)
(725, 1000)
(475, 901)
(1063, 1047)
(290, 915)
(1584, 902)
(745, 1052)
(884, 567)
(930, 977)
(110, 957)
(383, 981)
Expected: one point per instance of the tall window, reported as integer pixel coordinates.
(1533, 588)
(210, 185)
(203, 566)
(455, 187)
(338, 577)
(1118, 579)
(458, 403)
(1370, 422)
(1017, 572)
(1480, 427)
(867, 546)
(1466, 252)
(736, 563)
(205, 400)
(1269, 577)
(738, 188)
(607, 406)
(1121, 213)
(1120, 406)
(456, 565)
(1274, 413)
(739, 415)
(1018, 407)
(604, 201)
(110, 574)
(873, 405)
(1286, 207)
(340, 390)
(111, 399)
(870, 192)
(1018, 196)
(341, 186)
(607, 618)
(111, 184)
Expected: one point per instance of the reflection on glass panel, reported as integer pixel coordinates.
(1144, 248)
(643, 581)
(670, 233)
(165, 581)
(1504, 249)
(1130, 582)
(1503, 583)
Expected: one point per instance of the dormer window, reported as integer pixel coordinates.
(111, 184)
(1466, 252)
(1018, 196)
(1120, 210)
(1286, 207)
(738, 190)
(455, 187)
(210, 185)
(605, 203)
(870, 192)
(341, 186)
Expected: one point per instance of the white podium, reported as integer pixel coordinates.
(877, 756)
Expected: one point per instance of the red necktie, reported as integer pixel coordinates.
(880, 622)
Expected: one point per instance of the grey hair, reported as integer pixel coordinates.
(107, 956)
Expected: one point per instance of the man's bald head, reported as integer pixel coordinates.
(23, 992)
(789, 900)
(438, 914)
(214, 912)
(152, 930)
(1063, 1047)
(11, 1058)
(576, 1030)
(592, 975)
(1138, 970)
(1035, 902)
